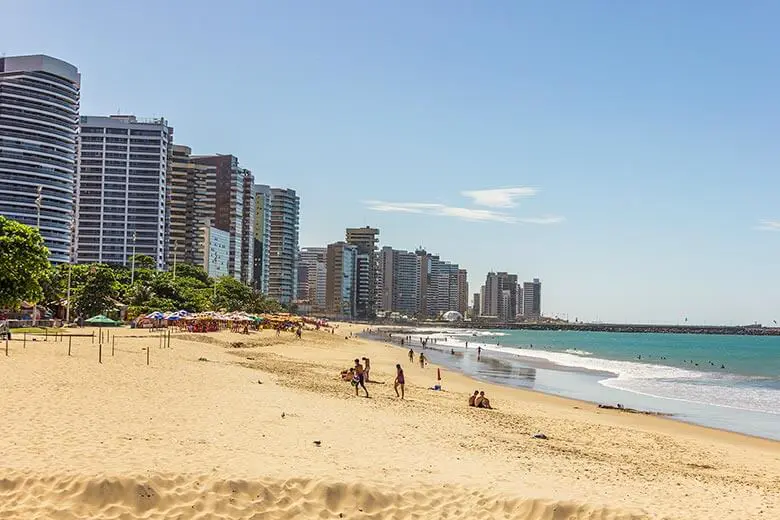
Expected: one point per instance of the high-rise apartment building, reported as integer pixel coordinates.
(366, 239)
(121, 189)
(341, 265)
(476, 307)
(499, 296)
(248, 229)
(463, 292)
(400, 272)
(283, 250)
(262, 237)
(312, 277)
(229, 206)
(532, 299)
(193, 192)
(39, 114)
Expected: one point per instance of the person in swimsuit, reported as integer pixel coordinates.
(367, 363)
(359, 378)
(411, 356)
(422, 360)
(399, 381)
(473, 398)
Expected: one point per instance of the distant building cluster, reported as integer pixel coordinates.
(107, 188)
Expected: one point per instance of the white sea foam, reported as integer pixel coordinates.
(661, 381)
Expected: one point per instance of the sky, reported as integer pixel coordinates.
(625, 153)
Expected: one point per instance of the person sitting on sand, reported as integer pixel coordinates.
(473, 398)
(399, 381)
(358, 378)
(482, 401)
(347, 375)
(367, 371)
(422, 360)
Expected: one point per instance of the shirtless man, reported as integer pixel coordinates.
(367, 363)
(411, 356)
(422, 360)
(359, 377)
(473, 398)
(482, 401)
(399, 381)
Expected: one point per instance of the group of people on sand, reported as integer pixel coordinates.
(359, 375)
(423, 359)
(479, 400)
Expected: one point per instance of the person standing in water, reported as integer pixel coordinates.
(399, 381)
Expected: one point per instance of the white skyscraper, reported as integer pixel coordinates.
(121, 189)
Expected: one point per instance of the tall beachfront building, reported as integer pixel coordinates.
(366, 239)
(248, 229)
(312, 277)
(193, 192)
(283, 247)
(121, 189)
(532, 299)
(341, 280)
(463, 292)
(400, 272)
(39, 115)
(229, 208)
(262, 237)
(499, 296)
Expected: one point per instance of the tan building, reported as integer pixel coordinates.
(463, 292)
(341, 273)
(367, 289)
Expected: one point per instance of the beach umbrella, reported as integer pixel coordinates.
(156, 315)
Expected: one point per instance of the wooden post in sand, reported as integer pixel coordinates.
(69, 340)
(100, 353)
(24, 340)
(113, 340)
(161, 338)
(147, 355)
(6, 344)
(93, 337)
(45, 334)
(169, 338)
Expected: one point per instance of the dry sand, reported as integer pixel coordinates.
(233, 437)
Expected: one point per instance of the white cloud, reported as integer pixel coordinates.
(500, 197)
(769, 225)
(474, 215)
(546, 220)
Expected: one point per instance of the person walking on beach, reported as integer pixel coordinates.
(411, 356)
(399, 381)
(422, 360)
(359, 378)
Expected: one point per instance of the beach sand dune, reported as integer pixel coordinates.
(228, 425)
(207, 497)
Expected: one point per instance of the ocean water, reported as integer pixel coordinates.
(731, 382)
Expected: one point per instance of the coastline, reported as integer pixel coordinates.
(233, 436)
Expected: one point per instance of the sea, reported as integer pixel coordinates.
(721, 381)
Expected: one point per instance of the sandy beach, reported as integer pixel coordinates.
(224, 425)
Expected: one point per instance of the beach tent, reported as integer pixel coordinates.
(101, 321)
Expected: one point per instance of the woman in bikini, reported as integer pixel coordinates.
(399, 381)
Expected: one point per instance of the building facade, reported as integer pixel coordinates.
(532, 299)
(463, 292)
(283, 247)
(262, 237)
(476, 307)
(39, 115)
(121, 189)
(341, 265)
(400, 272)
(248, 229)
(366, 240)
(312, 277)
(499, 296)
(228, 203)
(216, 251)
(193, 191)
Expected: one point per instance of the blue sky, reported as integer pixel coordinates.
(639, 139)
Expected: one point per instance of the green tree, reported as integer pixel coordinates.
(232, 295)
(24, 261)
(98, 292)
(192, 271)
(142, 262)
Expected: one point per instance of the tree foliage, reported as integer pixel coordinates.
(99, 292)
(23, 263)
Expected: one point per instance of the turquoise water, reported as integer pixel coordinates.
(731, 382)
